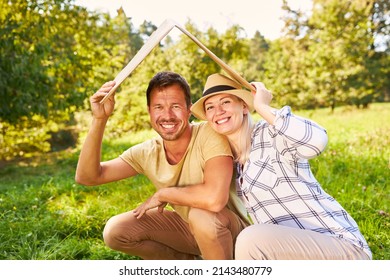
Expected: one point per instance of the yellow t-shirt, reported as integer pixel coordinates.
(149, 158)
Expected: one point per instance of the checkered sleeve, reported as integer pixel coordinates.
(297, 137)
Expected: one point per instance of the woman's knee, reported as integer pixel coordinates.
(246, 238)
(249, 244)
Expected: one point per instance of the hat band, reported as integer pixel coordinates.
(217, 88)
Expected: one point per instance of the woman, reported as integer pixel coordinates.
(294, 218)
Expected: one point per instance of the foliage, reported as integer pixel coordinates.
(54, 53)
(257, 53)
(45, 215)
(329, 58)
(343, 72)
(38, 76)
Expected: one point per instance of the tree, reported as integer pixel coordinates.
(348, 67)
(330, 58)
(258, 48)
(285, 63)
(53, 55)
(42, 60)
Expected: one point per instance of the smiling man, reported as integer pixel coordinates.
(191, 167)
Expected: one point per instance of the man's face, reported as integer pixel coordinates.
(168, 112)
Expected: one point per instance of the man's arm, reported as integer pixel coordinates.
(90, 171)
(212, 194)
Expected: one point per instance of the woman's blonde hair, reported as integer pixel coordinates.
(244, 145)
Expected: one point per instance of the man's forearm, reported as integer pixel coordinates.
(197, 196)
(212, 194)
(88, 167)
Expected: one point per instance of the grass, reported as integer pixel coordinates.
(44, 214)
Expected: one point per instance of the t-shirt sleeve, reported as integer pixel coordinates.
(137, 155)
(213, 144)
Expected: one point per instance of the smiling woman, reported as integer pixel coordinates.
(287, 204)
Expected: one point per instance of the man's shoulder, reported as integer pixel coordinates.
(208, 142)
(146, 147)
(205, 133)
(204, 128)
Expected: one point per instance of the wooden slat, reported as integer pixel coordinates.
(154, 40)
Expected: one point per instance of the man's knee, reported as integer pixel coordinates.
(202, 221)
(207, 223)
(111, 234)
(120, 231)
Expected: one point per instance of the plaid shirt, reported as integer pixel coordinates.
(278, 187)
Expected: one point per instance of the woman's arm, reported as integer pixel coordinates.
(296, 135)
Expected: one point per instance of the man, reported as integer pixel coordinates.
(191, 167)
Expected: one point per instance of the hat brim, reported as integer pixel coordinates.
(197, 108)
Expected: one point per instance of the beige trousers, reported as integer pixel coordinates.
(162, 236)
(275, 242)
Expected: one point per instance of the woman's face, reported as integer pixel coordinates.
(225, 113)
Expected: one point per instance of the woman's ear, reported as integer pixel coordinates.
(245, 108)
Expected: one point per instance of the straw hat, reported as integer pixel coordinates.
(217, 84)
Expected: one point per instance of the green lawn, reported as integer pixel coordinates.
(44, 214)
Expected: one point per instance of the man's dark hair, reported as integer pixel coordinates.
(166, 78)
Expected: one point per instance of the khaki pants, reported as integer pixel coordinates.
(166, 235)
(275, 242)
